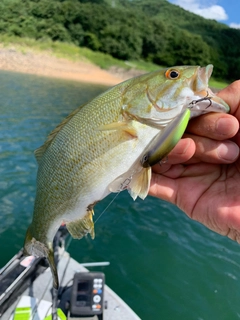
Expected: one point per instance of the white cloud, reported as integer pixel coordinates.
(235, 25)
(207, 11)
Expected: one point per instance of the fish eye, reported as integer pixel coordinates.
(172, 74)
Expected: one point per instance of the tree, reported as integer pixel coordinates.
(121, 41)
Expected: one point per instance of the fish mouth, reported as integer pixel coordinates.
(205, 98)
(203, 75)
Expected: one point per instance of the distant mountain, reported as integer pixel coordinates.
(153, 30)
(223, 42)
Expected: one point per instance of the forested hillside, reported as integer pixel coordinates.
(153, 30)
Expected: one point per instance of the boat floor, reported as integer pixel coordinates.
(41, 288)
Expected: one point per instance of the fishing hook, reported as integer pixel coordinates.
(194, 102)
(125, 184)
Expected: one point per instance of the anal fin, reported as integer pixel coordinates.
(81, 227)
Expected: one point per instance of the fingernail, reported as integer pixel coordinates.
(224, 125)
(228, 151)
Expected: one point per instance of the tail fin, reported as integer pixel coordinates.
(53, 267)
(40, 249)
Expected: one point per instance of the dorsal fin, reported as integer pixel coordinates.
(41, 150)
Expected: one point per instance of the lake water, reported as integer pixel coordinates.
(164, 265)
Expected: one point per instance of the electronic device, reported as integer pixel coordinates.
(87, 295)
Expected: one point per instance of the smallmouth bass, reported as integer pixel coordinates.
(108, 145)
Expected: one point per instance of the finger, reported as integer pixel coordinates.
(212, 151)
(236, 139)
(168, 186)
(182, 152)
(231, 95)
(217, 126)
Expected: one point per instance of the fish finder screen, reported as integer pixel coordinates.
(83, 286)
(83, 297)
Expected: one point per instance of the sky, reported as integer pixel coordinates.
(225, 11)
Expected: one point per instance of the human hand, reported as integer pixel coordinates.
(202, 173)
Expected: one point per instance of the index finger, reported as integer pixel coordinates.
(216, 126)
(231, 95)
(220, 126)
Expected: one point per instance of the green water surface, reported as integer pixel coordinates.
(164, 265)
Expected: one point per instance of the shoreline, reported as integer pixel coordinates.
(48, 65)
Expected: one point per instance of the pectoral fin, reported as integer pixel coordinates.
(140, 183)
(137, 182)
(81, 227)
(122, 127)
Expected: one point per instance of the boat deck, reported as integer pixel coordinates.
(41, 289)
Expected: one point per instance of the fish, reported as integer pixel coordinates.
(109, 145)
